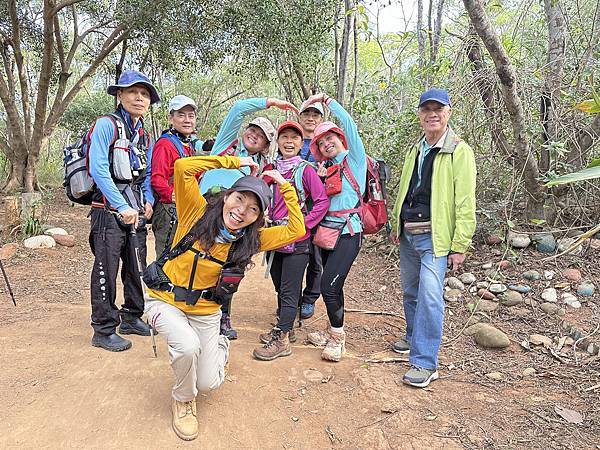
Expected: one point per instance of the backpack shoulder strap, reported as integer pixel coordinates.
(122, 131)
(297, 178)
(230, 150)
(350, 176)
(176, 142)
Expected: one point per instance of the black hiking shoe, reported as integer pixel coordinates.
(226, 329)
(134, 326)
(112, 342)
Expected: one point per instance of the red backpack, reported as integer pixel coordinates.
(372, 208)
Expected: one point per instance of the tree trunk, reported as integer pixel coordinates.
(421, 39)
(553, 76)
(437, 31)
(487, 88)
(508, 81)
(343, 58)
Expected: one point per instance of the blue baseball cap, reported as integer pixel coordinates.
(436, 95)
(129, 78)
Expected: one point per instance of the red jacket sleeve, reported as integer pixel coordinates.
(164, 156)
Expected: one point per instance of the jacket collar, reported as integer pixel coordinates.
(450, 143)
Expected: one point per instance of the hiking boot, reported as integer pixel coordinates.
(226, 330)
(336, 346)
(265, 338)
(279, 345)
(134, 326)
(402, 346)
(420, 377)
(307, 310)
(112, 342)
(319, 338)
(185, 423)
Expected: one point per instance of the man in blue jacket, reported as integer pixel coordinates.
(121, 204)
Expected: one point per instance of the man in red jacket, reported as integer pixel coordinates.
(174, 143)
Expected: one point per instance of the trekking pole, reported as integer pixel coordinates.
(133, 237)
(10, 292)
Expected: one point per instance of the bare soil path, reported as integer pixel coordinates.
(56, 390)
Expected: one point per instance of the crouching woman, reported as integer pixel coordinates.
(214, 244)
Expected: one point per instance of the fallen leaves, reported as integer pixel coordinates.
(570, 415)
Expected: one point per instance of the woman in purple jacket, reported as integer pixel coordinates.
(289, 262)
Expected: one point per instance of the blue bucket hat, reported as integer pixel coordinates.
(436, 95)
(129, 78)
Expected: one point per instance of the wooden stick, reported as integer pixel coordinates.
(377, 313)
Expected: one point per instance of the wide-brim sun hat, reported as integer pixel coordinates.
(130, 77)
(290, 124)
(322, 129)
(266, 126)
(257, 186)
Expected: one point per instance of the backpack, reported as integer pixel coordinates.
(372, 206)
(79, 184)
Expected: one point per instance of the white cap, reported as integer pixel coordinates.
(318, 106)
(179, 101)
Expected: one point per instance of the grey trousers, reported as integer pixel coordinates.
(197, 352)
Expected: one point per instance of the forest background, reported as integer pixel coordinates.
(523, 76)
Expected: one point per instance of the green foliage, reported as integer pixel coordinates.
(84, 110)
(589, 173)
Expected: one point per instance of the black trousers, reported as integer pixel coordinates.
(336, 266)
(312, 289)
(111, 243)
(287, 272)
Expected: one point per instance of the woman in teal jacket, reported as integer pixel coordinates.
(344, 150)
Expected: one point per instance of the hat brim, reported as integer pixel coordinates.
(265, 132)
(154, 97)
(263, 204)
(314, 148)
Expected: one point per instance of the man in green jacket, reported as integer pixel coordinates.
(433, 221)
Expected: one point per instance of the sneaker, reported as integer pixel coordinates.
(112, 342)
(307, 310)
(319, 338)
(226, 329)
(265, 338)
(185, 423)
(279, 345)
(419, 377)
(336, 346)
(134, 326)
(402, 346)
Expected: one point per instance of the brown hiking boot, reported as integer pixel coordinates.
(336, 346)
(185, 423)
(265, 338)
(279, 345)
(319, 338)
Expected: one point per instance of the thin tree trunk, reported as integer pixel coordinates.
(355, 54)
(343, 58)
(553, 76)
(437, 31)
(508, 82)
(420, 39)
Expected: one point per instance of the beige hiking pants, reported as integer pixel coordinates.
(197, 352)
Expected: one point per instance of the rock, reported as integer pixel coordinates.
(455, 283)
(65, 240)
(540, 339)
(571, 300)
(484, 305)
(544, 242)
(532, 275)
(55, 231)
(485, 294)
(572, 274)
(574, 233)
(529, 371)
(565, 243)
(472, 330)
(549, 295)
(504, 264)
(518, 240)
(491, 337)
(586, 288)
(530, 302)
(313, 375)
(467, 278)
(482, 284)
(522, 288)
(492, 239)
(39, 242)
(495, 376)
(548, 274)
(511, 298)
(551, 309)
(473, 290)
(7, 251)
(595, 244)
(486, 266)
(497, 288)
(453, 295)
(494, 274)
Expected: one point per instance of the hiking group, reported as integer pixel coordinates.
(308, 207)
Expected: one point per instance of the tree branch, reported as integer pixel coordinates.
(58, 7)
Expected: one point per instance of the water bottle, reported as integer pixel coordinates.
(375, 194)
